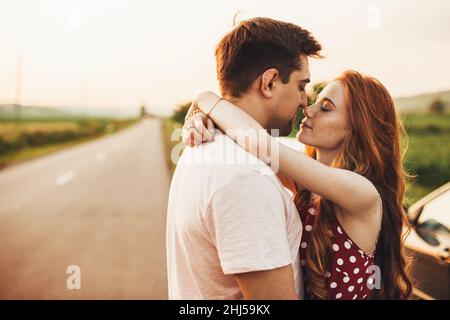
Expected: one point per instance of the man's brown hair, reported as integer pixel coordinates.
(256, 45)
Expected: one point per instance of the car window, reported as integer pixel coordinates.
(436, 214)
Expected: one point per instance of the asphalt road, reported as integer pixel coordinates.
(100, 206)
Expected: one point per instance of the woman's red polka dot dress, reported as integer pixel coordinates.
(349, 276)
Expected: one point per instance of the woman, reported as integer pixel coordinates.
(348, 187)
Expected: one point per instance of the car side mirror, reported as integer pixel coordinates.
(427, 231)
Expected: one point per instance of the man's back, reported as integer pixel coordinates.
(226, 215)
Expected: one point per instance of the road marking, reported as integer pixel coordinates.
(100, 156)
(64, 178)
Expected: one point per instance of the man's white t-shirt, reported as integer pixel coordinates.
(227, 215)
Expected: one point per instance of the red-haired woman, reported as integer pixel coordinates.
(348, 187)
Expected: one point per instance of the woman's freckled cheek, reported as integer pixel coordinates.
(329, 126)
(327, 129)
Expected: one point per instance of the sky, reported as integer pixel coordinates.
(124, 53)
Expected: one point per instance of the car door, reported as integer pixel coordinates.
(431, 267)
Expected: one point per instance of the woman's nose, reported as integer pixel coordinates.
(309, 110)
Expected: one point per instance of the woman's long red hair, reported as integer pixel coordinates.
(373, 150)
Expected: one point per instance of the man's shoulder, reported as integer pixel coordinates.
(221, 162)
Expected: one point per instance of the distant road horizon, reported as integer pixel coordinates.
(101, 206)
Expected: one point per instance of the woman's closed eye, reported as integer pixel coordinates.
(325, 106)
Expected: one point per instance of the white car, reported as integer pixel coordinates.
(429, 244)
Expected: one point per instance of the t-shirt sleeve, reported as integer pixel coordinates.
(247, 222)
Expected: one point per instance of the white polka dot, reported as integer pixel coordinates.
(340, 261)
(356, 270)
(351, 288)
(347, 244)
(338, 270)
(370, 281)
(346, 279)
(360, 289)
(354, 297)
(345, 273)
(360, 280)
(312, 211)
(308, 228)
(303, 262)
(352, 259)
(304, 245)
(335, 247)
(364, 296)
(339, 295)
(333, 285)
(350, 241)
(327, 274)
(360, 251)
(339, 230)
(366, 263)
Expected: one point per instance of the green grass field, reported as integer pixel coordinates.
(426, 122)
(30, 138)
(428, 153)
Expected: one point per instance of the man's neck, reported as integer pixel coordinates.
(252, 106)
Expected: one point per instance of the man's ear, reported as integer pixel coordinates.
(268, 82)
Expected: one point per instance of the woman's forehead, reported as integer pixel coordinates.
(335, 92)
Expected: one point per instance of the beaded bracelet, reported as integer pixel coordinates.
(192, 113)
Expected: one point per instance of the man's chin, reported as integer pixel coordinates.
(279, 132)
(278, 128)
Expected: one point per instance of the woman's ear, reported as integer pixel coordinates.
(268, 82)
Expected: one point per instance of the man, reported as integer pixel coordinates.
(233, 232)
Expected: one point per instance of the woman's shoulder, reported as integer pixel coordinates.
(362, 230)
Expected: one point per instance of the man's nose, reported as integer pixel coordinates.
(303, 104)
(303, 100)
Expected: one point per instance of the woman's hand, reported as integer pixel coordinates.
(197, 128)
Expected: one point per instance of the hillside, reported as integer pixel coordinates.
(420, 103)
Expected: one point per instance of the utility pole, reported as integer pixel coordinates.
(18, 94)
